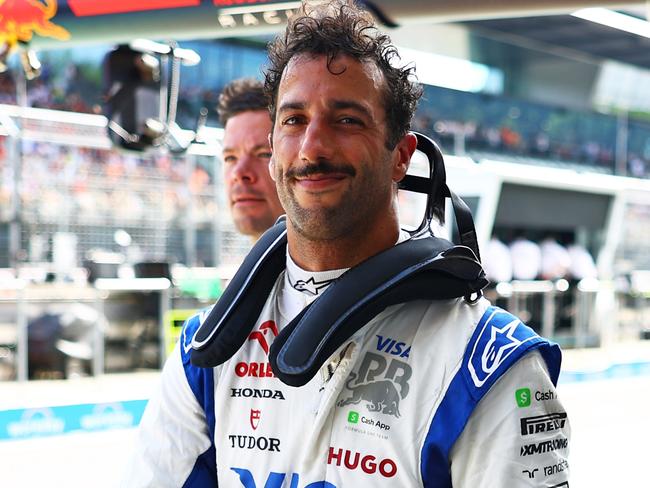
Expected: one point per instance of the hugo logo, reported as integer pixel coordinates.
(368, 464)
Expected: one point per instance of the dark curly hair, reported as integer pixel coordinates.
(342, 27)
(239, 96)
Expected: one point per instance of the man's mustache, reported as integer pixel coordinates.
(320, 168)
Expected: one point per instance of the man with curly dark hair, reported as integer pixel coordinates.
(434, 393)
(250, 191)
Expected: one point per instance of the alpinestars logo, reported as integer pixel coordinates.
(262, 369)
(497, 340)
(311, 286)
(379, 383)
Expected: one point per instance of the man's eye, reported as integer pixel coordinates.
(350, 120)
(264, 155)
(229, 159)
(292, 120)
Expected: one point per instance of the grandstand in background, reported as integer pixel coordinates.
(71, 182)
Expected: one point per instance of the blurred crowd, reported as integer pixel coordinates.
(73, 92)
(95, 185)
(466, 123)
(482, 125)
(93, 192)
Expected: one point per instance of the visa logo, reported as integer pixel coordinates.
(276, 480)
(391, 346)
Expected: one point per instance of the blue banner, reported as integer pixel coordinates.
(28, 423)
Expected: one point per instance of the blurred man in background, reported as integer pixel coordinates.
(251, 194)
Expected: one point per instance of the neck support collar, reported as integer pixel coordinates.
(423, 267)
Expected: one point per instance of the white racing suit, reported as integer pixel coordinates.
(429, 393)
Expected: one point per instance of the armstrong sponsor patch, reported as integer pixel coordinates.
(499, 336)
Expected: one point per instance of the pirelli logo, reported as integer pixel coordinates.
(543, 423)
(544, 447)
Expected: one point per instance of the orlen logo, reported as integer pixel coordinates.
(375, 383)
(261, 369)
(369, 464)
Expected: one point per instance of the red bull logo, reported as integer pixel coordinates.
(20, 19)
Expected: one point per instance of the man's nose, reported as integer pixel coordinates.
(245, 169)
(317, 142)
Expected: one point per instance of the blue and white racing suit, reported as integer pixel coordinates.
(429, 393)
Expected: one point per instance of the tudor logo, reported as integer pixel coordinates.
(258, 443)
(259, 369)
(255, 418)
(379, 383)
(369, 464)
(497, 340)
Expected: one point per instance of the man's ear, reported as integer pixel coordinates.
(272, 160)
(402, 156)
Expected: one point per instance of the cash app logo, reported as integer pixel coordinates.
(353, 417)
(522, 395)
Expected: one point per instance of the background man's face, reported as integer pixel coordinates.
(332, 169)
(250, 190)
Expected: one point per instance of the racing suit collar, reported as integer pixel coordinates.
(313, 283)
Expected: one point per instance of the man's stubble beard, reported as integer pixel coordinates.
(252, 226)
(360, 204)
